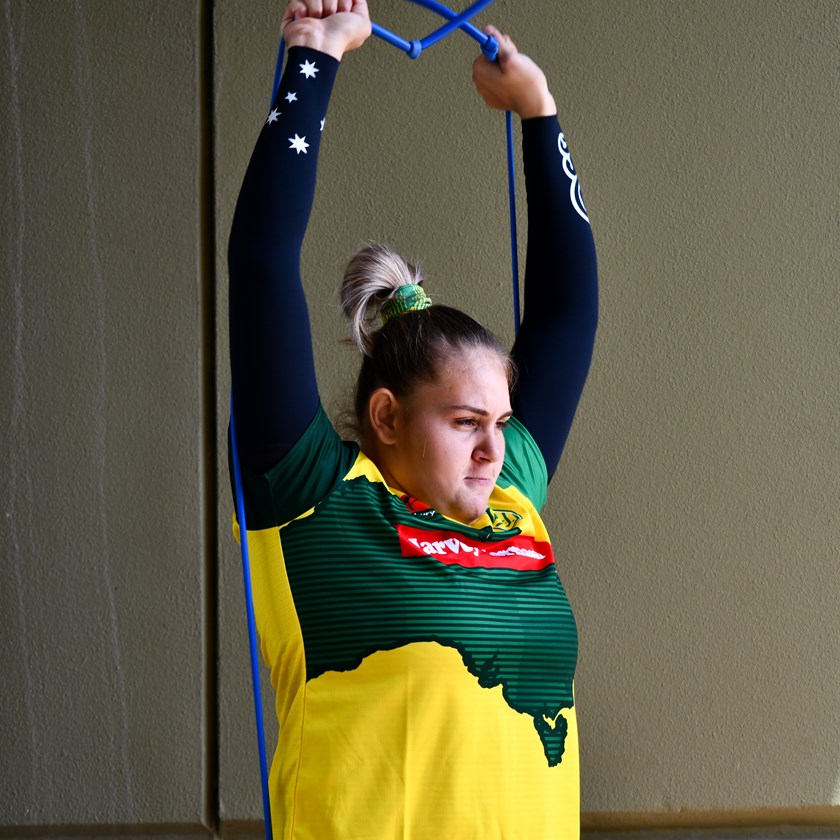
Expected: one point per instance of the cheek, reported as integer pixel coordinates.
(455, 452)
(444, 451)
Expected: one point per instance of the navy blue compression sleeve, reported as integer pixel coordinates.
(554, 346)
(275, 394)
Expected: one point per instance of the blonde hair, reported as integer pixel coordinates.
(417, 345)
(370, 280)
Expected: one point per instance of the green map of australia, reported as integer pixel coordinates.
(512, 629)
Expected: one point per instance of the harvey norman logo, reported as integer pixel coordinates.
(520, 553)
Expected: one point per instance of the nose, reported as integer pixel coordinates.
(491, 447)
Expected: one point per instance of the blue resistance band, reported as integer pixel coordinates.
(490, 48)
(252, 630)
(456, 21)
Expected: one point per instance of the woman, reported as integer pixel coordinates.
(419, 640)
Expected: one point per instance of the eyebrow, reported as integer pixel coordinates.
(473, 410)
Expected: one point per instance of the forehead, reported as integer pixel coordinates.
(476, 377)
(474, 361)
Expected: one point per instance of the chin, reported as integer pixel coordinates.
(467, 510)
(474, 514)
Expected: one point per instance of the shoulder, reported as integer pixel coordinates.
(303, 477)
(524, 466)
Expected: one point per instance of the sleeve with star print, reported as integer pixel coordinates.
(275, 395)
(553, 349)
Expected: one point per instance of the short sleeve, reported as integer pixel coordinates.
(301, 479)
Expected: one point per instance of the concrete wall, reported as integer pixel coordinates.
(695, 513)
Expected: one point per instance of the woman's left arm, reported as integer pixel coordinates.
(553, 349)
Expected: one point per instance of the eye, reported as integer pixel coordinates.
(466, 422)
(503, 424)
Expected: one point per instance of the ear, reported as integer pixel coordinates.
(383, 408)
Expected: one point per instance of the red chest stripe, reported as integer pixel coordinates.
(519, 553)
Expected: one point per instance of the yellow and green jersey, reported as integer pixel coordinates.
(423, 668)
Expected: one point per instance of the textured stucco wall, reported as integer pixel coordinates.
(695, 513)
(102, 694)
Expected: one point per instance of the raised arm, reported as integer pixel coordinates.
(275, 394)
(554, 347)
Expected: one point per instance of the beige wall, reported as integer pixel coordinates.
(695, 513)
(103, 541)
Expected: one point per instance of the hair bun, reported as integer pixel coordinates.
(372, 278)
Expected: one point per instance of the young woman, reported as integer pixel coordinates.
(419, 640)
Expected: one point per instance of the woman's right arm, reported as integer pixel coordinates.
(275, 395)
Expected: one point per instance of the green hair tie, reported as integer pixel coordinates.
(408, 298)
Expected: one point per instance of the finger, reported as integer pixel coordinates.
(344, 5)
(329, 7)
(294, 7)
(476, 70)
(316, 8)
(507, 49)
(484, 75)
(294, 11)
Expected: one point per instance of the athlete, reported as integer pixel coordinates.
(420, 643)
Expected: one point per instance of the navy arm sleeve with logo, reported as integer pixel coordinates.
(275, 394)
(554, 346)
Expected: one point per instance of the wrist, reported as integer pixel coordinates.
(314, 38)
(542, 105)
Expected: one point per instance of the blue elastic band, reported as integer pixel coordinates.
(455, 20)
(489, 45)
(252, 630)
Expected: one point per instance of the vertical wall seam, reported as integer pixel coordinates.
(208, 412)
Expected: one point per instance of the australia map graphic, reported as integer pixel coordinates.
(498, 602)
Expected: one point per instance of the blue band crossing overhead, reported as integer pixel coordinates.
(490, 48)
(489, 45)
(455, 20)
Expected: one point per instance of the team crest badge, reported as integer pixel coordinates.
(504, 520)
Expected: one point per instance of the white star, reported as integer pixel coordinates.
(291, 96)
(299, 144)
(272, 117)
(308, 69)
(322, 123)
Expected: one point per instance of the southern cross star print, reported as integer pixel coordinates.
(309, 70)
